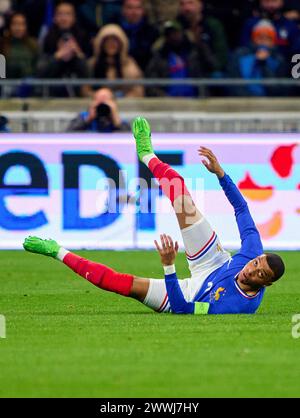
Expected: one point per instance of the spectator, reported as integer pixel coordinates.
(288, 34)
(97, 13)
(112, 61)
(4, 128)
(292, 11)
(20, 50)
(65, 25)
(232, 14)
(204, 30)
(260, 61)
(140, 32)
(102, 116)
(5, 11)
(41, 19)
(64, 50)
(42, 15)
(178, 58)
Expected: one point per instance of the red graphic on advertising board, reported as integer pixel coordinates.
(282, 160)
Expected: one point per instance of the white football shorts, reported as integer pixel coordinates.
(204, 254)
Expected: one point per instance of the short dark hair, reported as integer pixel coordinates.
(276, 264)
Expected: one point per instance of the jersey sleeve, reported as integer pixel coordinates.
(177, 300)
(250, 238)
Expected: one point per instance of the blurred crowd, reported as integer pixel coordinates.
(131, 39)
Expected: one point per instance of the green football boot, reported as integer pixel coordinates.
(142, 133)
(37, 245)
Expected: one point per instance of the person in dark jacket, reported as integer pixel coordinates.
(232, 14)
(94, 14)
(141, 34)
(19, 49)
(205, 30)
(65, 23)
(178, 58)
(65, 49)
(292, 11)
(260, 61)
(6, 9)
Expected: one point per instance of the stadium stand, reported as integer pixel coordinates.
(58, 53)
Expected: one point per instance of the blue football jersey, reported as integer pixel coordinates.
(223, 293)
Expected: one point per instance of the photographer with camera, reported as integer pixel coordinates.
(4, 128)
(102, 115)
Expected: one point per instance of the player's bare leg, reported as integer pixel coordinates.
(202, 246)
(197, 234)
(172, 183)
(139, 288)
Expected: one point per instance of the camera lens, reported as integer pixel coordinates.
(103, 110)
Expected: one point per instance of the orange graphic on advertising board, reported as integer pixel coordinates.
(253, 191)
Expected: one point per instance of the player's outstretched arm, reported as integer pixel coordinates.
(168, 252)
(251, 242)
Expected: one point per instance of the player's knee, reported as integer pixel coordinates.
(184, 204)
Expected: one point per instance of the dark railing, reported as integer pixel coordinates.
(202, 84)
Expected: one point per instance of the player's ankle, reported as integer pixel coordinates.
(147, 158)
(62, 252)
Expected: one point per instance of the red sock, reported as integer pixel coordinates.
(100, 275)
(171, 182)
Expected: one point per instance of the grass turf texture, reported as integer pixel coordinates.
(66, 338)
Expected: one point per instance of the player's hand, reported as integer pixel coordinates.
(212, 164)
(168, 250)
(262, 54)
(64, 53)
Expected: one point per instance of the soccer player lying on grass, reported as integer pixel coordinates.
(219, 283)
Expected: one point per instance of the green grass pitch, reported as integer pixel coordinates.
(66, 338)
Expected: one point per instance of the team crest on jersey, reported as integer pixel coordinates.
(215, 296)
(219, 248)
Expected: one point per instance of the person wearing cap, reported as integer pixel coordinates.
(288, 34)
(177, 57)
(260, 61)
